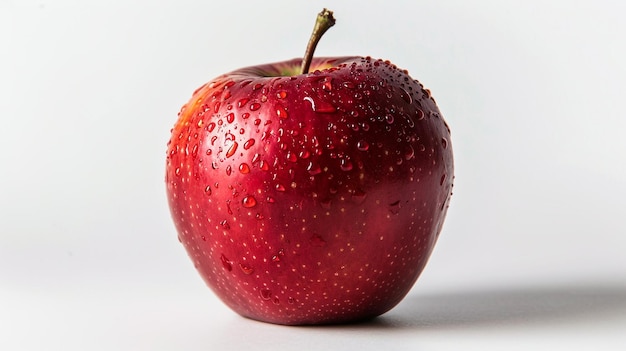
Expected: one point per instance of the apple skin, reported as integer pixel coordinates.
(310, 198)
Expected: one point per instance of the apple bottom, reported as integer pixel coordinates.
(343, 264)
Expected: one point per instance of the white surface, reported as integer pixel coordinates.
(532, 253)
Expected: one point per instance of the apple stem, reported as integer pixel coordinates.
(324, 21)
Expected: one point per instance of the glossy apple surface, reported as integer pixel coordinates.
(310, 198)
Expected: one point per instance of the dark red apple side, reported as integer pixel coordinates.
(310, 198)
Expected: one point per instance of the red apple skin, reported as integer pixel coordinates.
(310, 198)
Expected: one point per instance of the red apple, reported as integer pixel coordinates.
(310, 198)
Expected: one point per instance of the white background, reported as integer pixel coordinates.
(532, 255)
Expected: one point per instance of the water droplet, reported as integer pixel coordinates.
(281, 112)
(327, 84)
(232, 149)
(255, 106)
(409, 153)
(270, 200)
(230, 117)
(276, 300)
(444, 142)
(362, 145)
(244, 168)
(304, 154)
(317, 241)
(349, 85)
(246, 269)
(345, 165)
(406, 96)
(194, 150)
(443, 179)
(229, 170)
(226, 263)
(394, 207)
(280, 187)
(177, 171)
(278, 255)
(242, 102)
(266, 294)
(320, 106)
(313, 168)
(359, 196)
(257, 86)
(264, 166)
(419, 115)
(225, 224)
(208, 190)
(291, 157)
(248, 201)
(281, 94)
(389, 118)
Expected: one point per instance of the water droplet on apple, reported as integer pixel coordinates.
(327, 84)
(313, 168)
(248, 144)
(230, 118)
(281, 94)
(348, 85)
(409, 153)
(291, 157)
(419, 115)
(208, 190)
(362, 145)
(345, 165)
(281, 112)
(229, 170)
(224, 224)
(443, 179)
(276, 300)
(177, 171)
(232, 149)
(320, 106)
(265, 293)
(394, 207)
(255, 106)
(277, 257)
(389, 118)
(359, 196)
(246, 269)
(244, 168)
(242, 102)
(280, 187)
(248, 201)
(406, 96)
(226, 263)
(444, 142)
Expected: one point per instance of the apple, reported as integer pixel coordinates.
(310, 196)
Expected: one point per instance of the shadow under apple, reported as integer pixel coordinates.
(504, 307)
